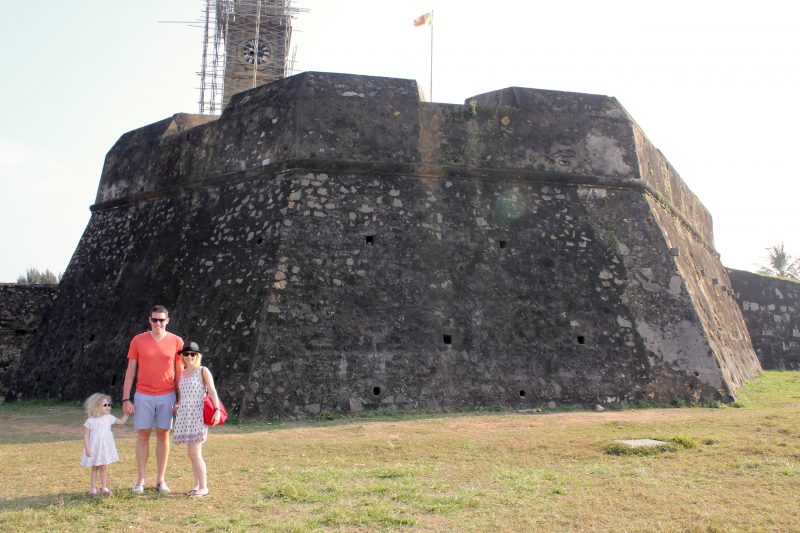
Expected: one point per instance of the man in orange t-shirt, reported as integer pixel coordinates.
(153, 358)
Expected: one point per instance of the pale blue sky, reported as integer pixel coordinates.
(713, 84)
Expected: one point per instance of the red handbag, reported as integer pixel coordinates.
(208, 407)
(208, 411)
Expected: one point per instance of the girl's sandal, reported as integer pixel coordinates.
(200, 493)
(92, 492)
(105, 491)
(191, 492)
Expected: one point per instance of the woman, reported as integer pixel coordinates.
(195, 382)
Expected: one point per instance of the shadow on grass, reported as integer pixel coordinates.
(62, 499)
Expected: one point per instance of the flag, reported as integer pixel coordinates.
(424, 20)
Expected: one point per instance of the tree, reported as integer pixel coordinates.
(34, 277)
(781, 264)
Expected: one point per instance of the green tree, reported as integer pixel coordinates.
(34, 277)
(781, 263)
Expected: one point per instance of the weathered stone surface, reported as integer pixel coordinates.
(21, 310)
(339, 245)
(771, 309)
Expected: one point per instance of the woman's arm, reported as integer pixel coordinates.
(208, 379)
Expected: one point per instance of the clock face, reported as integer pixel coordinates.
(255, 51)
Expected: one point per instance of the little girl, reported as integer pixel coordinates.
(99, 449)
(195, 381)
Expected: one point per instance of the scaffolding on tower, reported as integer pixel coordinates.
(238, 31)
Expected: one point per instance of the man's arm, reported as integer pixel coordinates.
(178, 374)
(127, 403)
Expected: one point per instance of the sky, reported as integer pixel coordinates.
(713, 84)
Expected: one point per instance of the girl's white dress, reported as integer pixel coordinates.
(189, 426)
(101, 441)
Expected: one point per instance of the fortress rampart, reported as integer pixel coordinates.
(339, 245)
(771, 309)
(21, 310)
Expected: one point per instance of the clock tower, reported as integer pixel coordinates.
(246, 44)
(256, 35)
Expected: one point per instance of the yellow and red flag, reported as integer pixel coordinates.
(424, 20)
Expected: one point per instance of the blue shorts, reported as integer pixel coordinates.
(153, 409)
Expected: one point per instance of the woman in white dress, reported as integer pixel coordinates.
(189, 428)
(99, 449)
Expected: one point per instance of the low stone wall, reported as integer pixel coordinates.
(770, 309)
(21, 310)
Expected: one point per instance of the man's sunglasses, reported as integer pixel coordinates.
(156, 320)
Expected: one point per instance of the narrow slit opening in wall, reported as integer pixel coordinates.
(448, 339)
(581, 339)
(113, 380)
(376, 391)
(370, 239)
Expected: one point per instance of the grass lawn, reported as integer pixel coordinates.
(498, 471)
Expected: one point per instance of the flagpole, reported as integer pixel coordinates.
(431, 87)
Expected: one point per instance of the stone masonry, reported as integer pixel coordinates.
(21, 310)
(338, 245)
(771, 309)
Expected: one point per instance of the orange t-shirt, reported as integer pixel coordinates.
(156, 362)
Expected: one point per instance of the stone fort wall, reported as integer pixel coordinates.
(771, 308)
(338, 245)
(21, 310)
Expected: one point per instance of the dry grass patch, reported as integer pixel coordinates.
(465, 472)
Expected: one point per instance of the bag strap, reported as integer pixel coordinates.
(203, 378)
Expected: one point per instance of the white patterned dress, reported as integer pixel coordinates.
(189, 426)
(101, 441)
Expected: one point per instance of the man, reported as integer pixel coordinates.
(153, 358)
